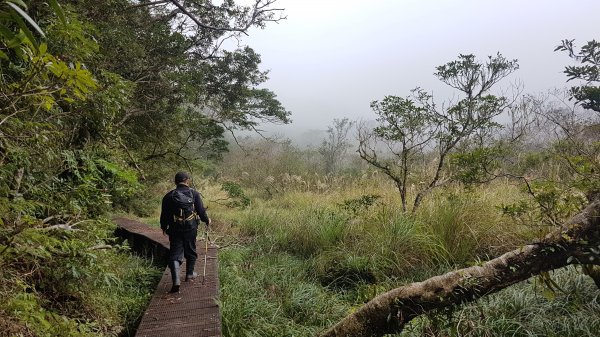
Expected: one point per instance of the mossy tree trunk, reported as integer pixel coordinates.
(576, 242)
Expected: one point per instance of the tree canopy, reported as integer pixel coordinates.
(588, 71)
(95, 97)
(412, 127)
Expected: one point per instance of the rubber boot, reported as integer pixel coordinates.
(189, 271)
(174, 266)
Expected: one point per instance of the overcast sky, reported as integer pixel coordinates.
(331, 58)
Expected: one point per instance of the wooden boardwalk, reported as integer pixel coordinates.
(194, 311)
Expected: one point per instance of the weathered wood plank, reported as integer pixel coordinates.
(194, 311)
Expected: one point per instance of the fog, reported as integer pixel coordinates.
(331, 58)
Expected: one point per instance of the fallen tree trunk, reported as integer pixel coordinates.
(576, 242)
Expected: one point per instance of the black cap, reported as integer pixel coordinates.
(181, 177)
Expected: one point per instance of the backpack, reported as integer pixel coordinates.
(185, 214)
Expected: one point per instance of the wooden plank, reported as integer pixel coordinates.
(193, 312)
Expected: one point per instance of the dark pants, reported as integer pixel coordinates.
(184, 244)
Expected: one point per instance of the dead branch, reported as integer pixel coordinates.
(63, 226)
(99, 247)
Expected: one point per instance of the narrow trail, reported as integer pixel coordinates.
(194, 311)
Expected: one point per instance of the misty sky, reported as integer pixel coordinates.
(331, 58)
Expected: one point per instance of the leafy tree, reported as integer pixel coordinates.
(51, 190)
(416, 131)
(92, 95)
(589, 72)
(580, 146)
(187, 91)
(334, 147)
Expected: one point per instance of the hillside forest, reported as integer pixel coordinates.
(392, 227)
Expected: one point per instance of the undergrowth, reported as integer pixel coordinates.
(296, 264)
(90, 291)
(523, 310)
(265, 294)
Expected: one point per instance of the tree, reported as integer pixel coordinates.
(580, 145)
(579, 142)
(210, 25)
(334, 147)
(589, 72)
(416, 131)
(184, 90)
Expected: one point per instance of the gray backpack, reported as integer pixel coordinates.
(185, 214)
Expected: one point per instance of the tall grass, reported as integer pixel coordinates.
(453, 228)
(468, 225)
(305, 259)
(272, 295)
(524, 310)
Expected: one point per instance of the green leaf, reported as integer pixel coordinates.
(3, 55)
(19, 2)
(28, 36)
(58, 10)
(26, 17)
(6, 33)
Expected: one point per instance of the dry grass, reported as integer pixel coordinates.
(339, 256)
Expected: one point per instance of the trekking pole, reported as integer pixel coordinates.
(206, 238)
(205, 252)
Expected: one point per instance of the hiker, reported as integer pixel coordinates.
(181, 211)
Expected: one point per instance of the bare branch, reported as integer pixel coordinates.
(99, 247)
(257, 15)
(149, 4)
(135, 164)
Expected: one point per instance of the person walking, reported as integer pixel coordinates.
(181, 212)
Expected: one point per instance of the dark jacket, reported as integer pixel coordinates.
(168, 208)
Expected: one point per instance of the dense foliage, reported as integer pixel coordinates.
(587, 94)
(97, 101)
